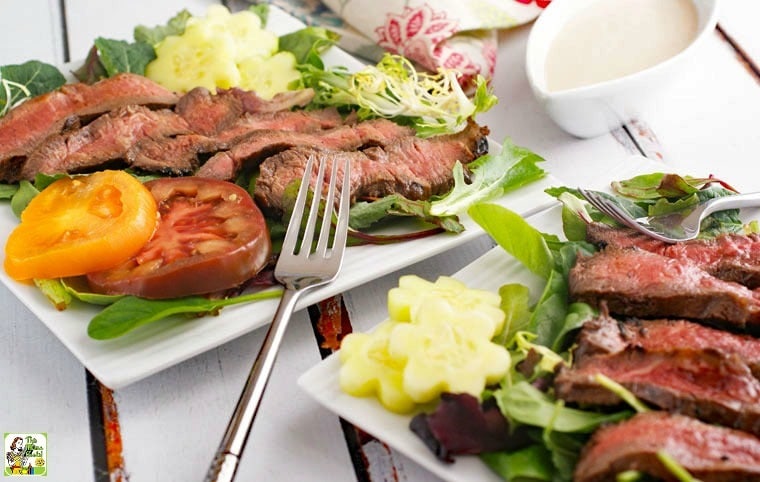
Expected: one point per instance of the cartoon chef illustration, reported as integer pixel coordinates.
(16, 458)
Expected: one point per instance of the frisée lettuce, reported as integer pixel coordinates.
(432, 103)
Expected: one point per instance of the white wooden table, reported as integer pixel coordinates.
(166, 427)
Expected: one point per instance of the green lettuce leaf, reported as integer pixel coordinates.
(365, 214)
(492, 175)
(544, 255)
(432, 103)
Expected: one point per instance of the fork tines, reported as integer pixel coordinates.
(294, 226)
(607, 207)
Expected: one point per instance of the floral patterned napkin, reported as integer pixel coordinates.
(456, 34)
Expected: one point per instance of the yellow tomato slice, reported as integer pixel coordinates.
(81, 224)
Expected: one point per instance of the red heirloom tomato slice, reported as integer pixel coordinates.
(210, 237)
(81, 224)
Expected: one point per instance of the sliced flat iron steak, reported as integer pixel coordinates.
(415, 167)
(708, 452)
(605, 335)
(704, 384)
(634, 282)
(731, 257)
(105, 139)
(259, 145)
(28, 125)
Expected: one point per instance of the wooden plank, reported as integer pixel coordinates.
(45, 384)
(738, 18)
(705, 121)
(180, 415)
(44, 391)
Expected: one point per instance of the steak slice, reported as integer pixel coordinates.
(638, 283)
(105, 139)
(731, 257)
(259, 145)
(708, 452)
(705, 384)
(29, 124)
(605, 335)
(283, 120)
(179, 156)
(171, 156)
(281, 101)
(414, 167)
(209, 113)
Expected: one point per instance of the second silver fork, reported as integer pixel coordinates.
(671, 227)
(298, 268)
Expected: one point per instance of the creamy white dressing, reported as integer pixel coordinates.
(614, 38)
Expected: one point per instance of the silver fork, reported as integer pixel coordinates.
(298, 269)
(671, 227)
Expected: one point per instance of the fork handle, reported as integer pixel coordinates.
(225, 462)
(732, 202)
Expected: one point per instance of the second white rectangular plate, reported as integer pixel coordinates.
(489, 272)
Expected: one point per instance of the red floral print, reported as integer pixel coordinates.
(540, 3)
(416, 33)
(427, 37)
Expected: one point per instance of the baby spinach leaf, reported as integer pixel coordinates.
(657, 184)
(531, 464)
(308, 43)
(19, 82)
(8, 190)
(92, 69)
(119, 56)
(525, 404)
(130, 312)
(565, 450)
(515, 301)
(547, 320)
(516, 236)
(25, 193)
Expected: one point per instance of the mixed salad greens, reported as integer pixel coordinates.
(536, 437)
(433, 104)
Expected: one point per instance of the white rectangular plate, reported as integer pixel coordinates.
(489, 272)
(154, 347)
